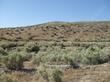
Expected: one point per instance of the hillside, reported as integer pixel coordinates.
(56, 52)
(59, 31)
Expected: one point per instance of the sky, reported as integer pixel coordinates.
(15, 13)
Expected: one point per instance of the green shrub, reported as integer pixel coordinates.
(44, 73)
(14, 61)
(105, 55)
(6, 45)
(56, 75)
(91, 55)
(27, 56)
(32, 48)
(5, 78)
(3, 52)
(50, 75)
(36, 59)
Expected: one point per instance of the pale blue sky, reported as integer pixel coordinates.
(30, 12)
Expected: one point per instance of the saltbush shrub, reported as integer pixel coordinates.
(50, 75)
(5, 78)
(36, 60)
(43, 72)
(105, 55)
(56, 75)
(32, 48)
(14, 61)
(8, 45)
(91, 55)
(3, 52)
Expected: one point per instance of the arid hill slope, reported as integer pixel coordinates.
(59, 31)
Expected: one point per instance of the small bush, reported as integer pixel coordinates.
(8, 45)
(91, 55)
(3, 52)
(36, 59)
(56, 75)
(105, 55)
(5, 78)
(50, 75)
(14, 61)
(27, 56)
(32, 48)
(43, 72)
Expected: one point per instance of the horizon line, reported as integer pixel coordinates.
(85, 21)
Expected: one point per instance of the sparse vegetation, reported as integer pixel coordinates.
(32, 48)
(57, 75)
(14, 61)
(3, 52)
(5, 78)
(50, 75)
(53, 52)
(91, 55)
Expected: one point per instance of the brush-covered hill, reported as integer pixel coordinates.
(73, 52)
(59, 31)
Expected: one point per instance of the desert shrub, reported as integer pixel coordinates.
(36, 59)
(5, 78)
(75, 44)
(44, 73)
(26, 56)
(32, 47)
(54, 55)
(18, 38)
(21, 43)
(3, 38)
(3, 52)
(56, 75)
(8, 45)
(14, 61)
(62, 46)
(105, 55)
(50, 75)
(91, 55)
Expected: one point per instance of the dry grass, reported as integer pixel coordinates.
(61, 31)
